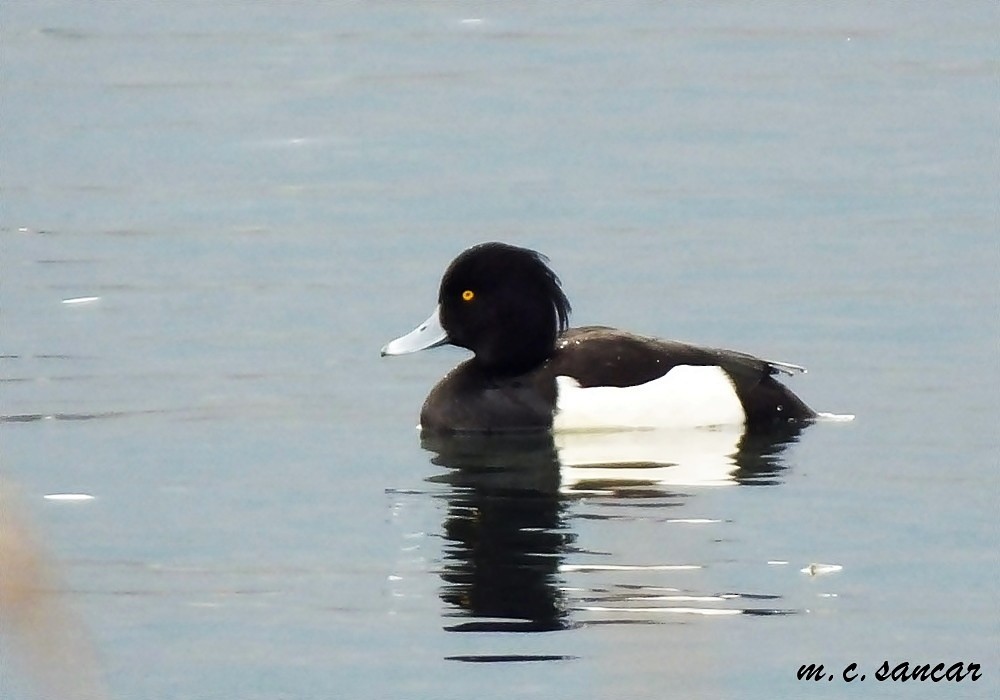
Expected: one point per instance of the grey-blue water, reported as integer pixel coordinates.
(214, 214)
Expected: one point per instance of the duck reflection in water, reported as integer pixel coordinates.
(509, 498)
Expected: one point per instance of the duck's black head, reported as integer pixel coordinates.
(499, 301)
(505, 304)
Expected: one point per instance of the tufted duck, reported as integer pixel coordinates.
(532, 372)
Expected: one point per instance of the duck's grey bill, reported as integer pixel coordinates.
(428, 334)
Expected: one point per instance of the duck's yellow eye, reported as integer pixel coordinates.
(468, 295)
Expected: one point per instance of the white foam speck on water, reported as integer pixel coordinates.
(81, 300)
(68, 497)
(835, 417)
(818, 569)
(693, 521)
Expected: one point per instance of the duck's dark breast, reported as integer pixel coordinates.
(470, 400)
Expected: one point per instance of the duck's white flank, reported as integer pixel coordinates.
(685, 397)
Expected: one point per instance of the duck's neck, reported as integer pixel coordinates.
(514, 356)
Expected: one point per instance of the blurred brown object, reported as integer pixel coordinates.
(43, 641)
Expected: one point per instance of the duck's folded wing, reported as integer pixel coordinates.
(785, 368)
